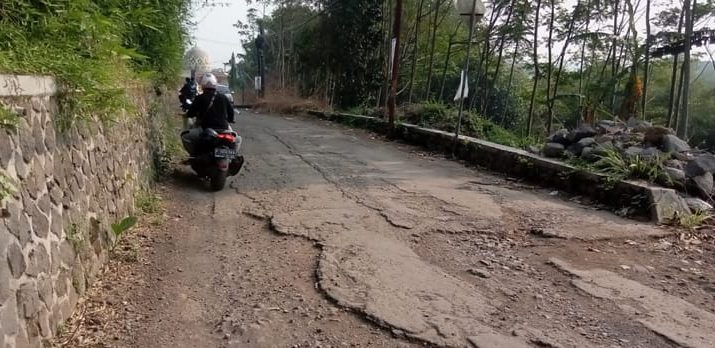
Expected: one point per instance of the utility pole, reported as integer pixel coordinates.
(394, 78)
(260, 46)
(465, 75)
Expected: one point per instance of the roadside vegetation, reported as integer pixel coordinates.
(99, 50)
(537, 66)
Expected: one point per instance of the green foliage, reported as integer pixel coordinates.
(8, 119)
(353, 34)
(147, 202)
(166, 145)
(121, 227)
(97, 49)
(150, 206)
(619, 167)
(336, 43)
(443, 117)
(693, 220)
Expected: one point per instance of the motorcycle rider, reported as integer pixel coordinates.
(211, 110)
(188, 91)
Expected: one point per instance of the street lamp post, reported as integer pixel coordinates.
(474, 10)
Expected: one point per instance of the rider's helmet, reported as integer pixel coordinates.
(209, 81)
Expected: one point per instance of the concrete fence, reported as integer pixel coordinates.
(642, 199)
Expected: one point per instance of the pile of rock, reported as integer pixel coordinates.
(635, 138)
(688, 169)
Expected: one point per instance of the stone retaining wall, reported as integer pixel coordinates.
(71, 186)
(546, 172)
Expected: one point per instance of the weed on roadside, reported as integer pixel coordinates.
(148, 202)
(122, 227)
(619, 167)
(150, 207)
(693, 220)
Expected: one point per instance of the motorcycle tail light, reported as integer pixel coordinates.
(227, 137)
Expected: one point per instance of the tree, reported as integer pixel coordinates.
(530, 119)
(682, 129)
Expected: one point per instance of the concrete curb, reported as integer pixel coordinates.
(27, 86)
(518, 163)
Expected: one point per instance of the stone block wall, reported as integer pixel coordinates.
(71, 186)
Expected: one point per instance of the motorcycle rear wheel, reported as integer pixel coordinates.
(217, 181)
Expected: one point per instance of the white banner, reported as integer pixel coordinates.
(393, 45)
(257, 83)
(463, 84)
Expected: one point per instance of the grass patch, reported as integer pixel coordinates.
(166, 144)
(148, 203)
(151, 207)
(9, 120)
(693, 220)
(619, 167)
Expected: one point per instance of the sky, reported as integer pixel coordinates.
(215, 32)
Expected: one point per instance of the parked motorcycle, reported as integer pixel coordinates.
(217, 157)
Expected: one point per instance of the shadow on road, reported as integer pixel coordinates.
(184, 177)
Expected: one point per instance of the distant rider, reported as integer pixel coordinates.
(188, 91)
(211, 110)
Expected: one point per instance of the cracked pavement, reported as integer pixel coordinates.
(331, 237)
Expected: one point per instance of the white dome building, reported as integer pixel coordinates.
(197, 61)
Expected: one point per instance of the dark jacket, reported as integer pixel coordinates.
(189, 90)
(212, 110)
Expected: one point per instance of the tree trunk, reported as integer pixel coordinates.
(549, 69)
(614, 44)
(530, 117)
(562, 57)
(446, 61)
(682, 130)
(385, 54)
(282, 51)
(500, 54)
(513, 63)
(416, 50)
(395, 65)
(646, 62)
(433, 40)
(483, 65)
(677, 101)
(583, 58)
(672, 103)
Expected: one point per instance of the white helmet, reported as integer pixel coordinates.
(209, 81)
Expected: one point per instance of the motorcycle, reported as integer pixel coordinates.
(217, 157)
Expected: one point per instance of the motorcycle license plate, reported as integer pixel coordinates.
(225, 153)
